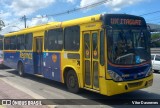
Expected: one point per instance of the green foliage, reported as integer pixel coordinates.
(154, 37)
(1, 24)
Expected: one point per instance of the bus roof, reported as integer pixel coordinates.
(83, 20)
(52, 25)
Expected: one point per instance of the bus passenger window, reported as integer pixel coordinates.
(1, 44)
(39, 45)
(95, 45)
(102, 48)
(13, 41)
(54, 39)
(72, 38)
(7, 43)
(20, 42)
(28, 41)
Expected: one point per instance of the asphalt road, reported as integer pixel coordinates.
(41, 88)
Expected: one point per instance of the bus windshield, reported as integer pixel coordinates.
(128, 46)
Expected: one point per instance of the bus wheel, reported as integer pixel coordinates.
(20, 69)
(72, 82)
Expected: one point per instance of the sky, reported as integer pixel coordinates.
(41, 11)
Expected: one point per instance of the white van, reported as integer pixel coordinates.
(155, 62)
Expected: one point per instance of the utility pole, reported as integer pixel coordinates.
(25, 21)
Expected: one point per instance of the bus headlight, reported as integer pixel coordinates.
(150, 71)
(115, 76)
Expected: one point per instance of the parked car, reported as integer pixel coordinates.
(155, 62)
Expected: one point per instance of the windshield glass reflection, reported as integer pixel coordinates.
(128, 46)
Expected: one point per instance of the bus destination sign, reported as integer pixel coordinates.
(122, 21)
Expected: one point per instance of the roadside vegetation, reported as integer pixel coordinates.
(155, 39)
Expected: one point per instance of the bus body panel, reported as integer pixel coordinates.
(73, 63)
(37, 58)
(114, 88)
(52, 66)
(13, 57)
(29, 62)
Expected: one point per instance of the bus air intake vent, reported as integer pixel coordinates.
(136, 84)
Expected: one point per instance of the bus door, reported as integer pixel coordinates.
(91, 61)
(38, 56)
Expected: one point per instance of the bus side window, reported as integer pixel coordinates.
(72, 38)
(13, 41)
(20, 42)
(102, 48)
(7, 43)
(1, 45)
(54, 39)
(39, 45)
(28, 41)
(46, 41)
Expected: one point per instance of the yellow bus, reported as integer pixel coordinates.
(106, 53)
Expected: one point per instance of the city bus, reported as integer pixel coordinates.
(105, 53)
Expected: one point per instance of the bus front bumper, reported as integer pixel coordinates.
(122, 87)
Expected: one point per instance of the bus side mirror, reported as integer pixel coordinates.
(148, 28)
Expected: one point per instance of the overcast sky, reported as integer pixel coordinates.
(12, 10)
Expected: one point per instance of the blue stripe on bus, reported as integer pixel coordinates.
(11, 60)
(49, 67)
(134, 73)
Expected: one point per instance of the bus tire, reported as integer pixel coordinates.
(72, 82)
(21, 69)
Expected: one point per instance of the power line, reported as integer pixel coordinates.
(150, 13)
(153, 19)
(80, 8)
(69, 11)
(65, 12)
(76, 9)
(154, 16)
(10, 25)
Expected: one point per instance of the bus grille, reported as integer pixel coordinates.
(136, 84)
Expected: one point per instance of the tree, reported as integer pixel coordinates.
(1, 24)
(156, 40)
